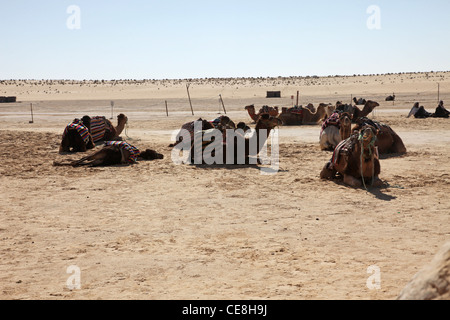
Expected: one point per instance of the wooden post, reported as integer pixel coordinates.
(223, 105)
(32, 118)
(189, 96)
(439, 92)
(112, 110)
(167, 109)
(298, 96)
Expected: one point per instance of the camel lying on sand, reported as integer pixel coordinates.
(356, 159)
(335, 128)
(114, 153)
(102, 129)
(391, 98)
(76, 138)
(354, 111)
(304, 115)
(360, 101)
(272, 111)
(388, 141)
(264, 126)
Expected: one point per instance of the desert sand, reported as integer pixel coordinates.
(157, 230)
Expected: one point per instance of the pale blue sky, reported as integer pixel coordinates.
(158, 39)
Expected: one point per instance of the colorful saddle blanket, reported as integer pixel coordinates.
(333, 120)
(77, 124)
(345, 147)
(134, 152)
(99, 125)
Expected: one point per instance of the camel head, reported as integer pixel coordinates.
(368, 137)
(250, 107)
(86, 121)
(121, 118)
(345, 118)
(151, 155)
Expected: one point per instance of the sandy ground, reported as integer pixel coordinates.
(157, 230)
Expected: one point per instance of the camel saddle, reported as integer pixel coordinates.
(344, 148)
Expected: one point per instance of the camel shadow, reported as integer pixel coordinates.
(392, 155)
(380, 195)
(226, 166)
(376, 191)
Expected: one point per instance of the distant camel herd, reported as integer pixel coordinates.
(355, 150)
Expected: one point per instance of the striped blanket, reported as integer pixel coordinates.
(99, 125)
(77, 124)
(134, 152)
(345, 147)
(333, 120)
(296, 111)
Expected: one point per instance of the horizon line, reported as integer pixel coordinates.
(231, 78)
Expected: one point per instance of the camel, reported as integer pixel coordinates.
(335, 128)
(360, 101)
(272, 111)
(368, 108)
(304, 116)
(223, 123)
(314, 118)
(265, 122)
(189, 126)
(102, 129)
(345, 107)
(391, 98)
(76, 138)
(114, 153)
(388, 141)
(356, 159)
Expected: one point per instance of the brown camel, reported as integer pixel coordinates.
(264, 125)
(368, 108)
(388, 141)
(391, 98)
(356, 160)
(345, 120)
(304, 116)
(76, 138)
(272, 111)
(115, 153)
(189, 126)
(102, 129)
(360, 101)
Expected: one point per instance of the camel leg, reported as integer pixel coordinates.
(352, 181)
(96, 158)
(377, 182)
